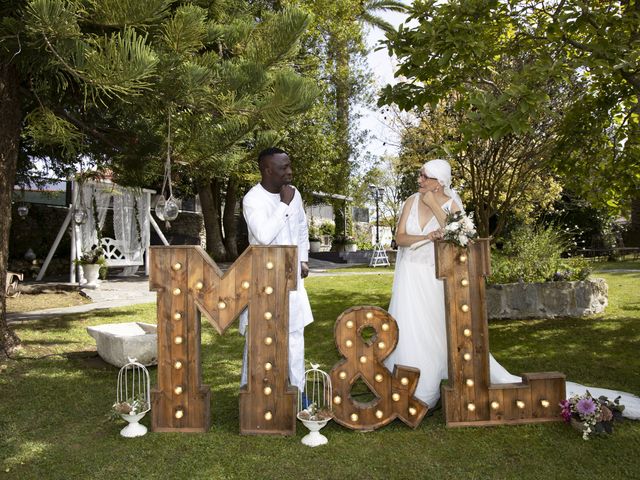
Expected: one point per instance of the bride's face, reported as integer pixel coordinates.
(426, 183)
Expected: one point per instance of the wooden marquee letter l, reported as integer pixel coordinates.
(470, 399)
(188, 283)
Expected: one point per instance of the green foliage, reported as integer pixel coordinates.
(117, 64)
(92, 257)
(44, 127)
(327, 228)
(535, 254)
(499, 179)
(593, 226)
(560, 74)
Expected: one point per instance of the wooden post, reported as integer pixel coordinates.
(470, 399)
(189, 283)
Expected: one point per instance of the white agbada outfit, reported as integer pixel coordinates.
(417, 304)
(272, 222)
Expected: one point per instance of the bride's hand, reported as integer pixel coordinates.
(429, 198)
(435, 235)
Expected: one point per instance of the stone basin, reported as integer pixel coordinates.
(118, 342)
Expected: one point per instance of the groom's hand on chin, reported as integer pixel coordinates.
(286, 194)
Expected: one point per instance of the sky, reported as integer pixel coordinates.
(382, 139)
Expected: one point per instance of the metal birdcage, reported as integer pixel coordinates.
(133, 397)
(315, 405)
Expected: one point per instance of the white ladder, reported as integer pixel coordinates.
(379, 257)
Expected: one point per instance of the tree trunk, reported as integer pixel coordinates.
(342, 88)
(210, 202)
(10, 124)
(230, 220)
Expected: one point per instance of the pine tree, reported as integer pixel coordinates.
(102, 78)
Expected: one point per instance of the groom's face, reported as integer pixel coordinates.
(278, 169)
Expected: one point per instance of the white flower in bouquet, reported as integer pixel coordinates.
(468, 224)
(452, 227)
(459, 229)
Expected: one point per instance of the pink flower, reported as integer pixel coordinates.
(566, 410)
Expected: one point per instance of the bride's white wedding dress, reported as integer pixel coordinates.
(417, 304)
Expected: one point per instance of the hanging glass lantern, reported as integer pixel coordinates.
(171, 209)
(23, 210)
(80, 212)
(160, 208)
(80, 215)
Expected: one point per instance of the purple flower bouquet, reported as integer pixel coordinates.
(591, 415)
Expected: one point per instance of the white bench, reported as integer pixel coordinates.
(114, 256)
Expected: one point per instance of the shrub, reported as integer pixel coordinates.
(535, 255)
(314, 234)
(327, 228)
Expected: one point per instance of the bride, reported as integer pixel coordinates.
(417, 298)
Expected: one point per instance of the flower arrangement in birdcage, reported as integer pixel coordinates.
(315, 413)
(459, 229)
(131, 406)
(133, 399)
(314, 405)
(591, 415)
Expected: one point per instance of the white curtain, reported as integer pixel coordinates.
(130, 222)
(130, 219)
(88, 231)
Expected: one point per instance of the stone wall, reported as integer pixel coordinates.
(546, 300)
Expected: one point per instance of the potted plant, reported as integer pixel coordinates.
(91, 262)
(345, 243)
(314, 239)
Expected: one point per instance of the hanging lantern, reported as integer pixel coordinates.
(23, 210)
(80, 215)
(167, 210)
(160, 206)
(171, 209)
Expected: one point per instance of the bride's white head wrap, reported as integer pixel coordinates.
(441, 171)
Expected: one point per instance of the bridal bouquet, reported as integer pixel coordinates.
(591, 415)
(459, 229)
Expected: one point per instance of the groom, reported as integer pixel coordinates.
(275, 215)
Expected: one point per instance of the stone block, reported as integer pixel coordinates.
(119, 342)
(556, 299)
(546, 300)
(521, 298)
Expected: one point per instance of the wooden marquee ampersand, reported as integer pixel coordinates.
(363, 360)
(469, 398)
(188, 283)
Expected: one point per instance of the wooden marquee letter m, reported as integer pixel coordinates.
(189, 283)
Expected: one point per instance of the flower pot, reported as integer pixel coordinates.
(91, 273)
(134, 429)
(314, 246)
(314, 438)
(351, 247)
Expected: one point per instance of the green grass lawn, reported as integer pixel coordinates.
(620, 265)
(53, 411)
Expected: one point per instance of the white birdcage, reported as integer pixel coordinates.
(314, 405)
(133, 398)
